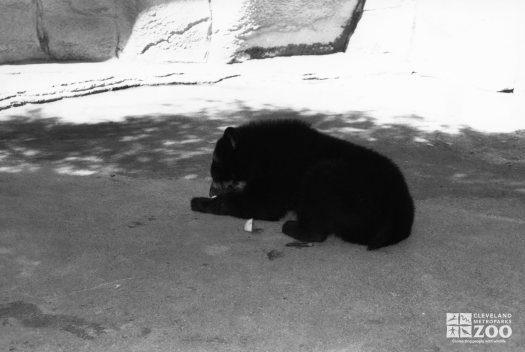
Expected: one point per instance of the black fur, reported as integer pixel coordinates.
(264, 169)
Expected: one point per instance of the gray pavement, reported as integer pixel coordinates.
(99, 250)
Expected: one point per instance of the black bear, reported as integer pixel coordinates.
(264, 169)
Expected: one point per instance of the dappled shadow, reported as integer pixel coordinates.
(161, 146)
(469, 163)
(170, 146)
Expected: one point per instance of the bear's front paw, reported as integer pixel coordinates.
(200, 204)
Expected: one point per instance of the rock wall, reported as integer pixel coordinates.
(173, 30)
(170, 31)
(253, 29)
(466, 41)
(40, 30)
(19, 32)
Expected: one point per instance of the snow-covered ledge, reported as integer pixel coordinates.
(481, 49)
(173, 30)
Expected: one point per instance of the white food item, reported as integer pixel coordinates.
(248, 226)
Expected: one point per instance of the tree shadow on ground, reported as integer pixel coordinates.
(170, 146)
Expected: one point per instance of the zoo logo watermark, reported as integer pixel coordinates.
(479, 327)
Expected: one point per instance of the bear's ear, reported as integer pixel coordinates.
(232, 136)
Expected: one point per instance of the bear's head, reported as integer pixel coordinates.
(228, 167)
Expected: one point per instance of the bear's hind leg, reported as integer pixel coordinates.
(295, 230)
(333, 200)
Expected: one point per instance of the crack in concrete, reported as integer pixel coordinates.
(210, 32)
(100, 11)
(117, 32)
(172, 33)
(8, 97)
(119, 84)
(102, 285)
(339, 44)
(224, 78)
(43, 38)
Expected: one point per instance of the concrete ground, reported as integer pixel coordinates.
(99, 250)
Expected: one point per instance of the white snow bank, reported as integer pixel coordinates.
(307, 85)
(467, 41)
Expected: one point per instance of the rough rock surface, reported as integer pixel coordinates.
(172, 31)
(264, 28)
(18, 32)
(74, 29)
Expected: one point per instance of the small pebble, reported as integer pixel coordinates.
(274, 254)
